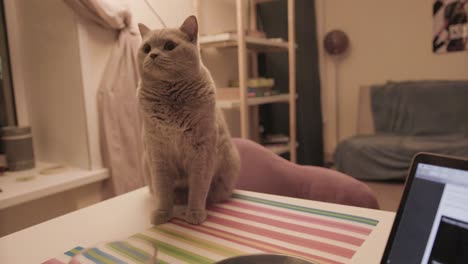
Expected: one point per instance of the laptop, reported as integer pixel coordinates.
(431, 225)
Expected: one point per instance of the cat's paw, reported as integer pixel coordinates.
(160, 216)
(195, 217)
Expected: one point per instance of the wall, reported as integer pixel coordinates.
(47, 69)
(390, 40)
(172, 12)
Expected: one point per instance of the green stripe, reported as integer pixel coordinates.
(127, 250)
(308, 210)
(75, 251)
(93, 259)
(198, 242)
(174, 251)
(98, 257)
(109, 257)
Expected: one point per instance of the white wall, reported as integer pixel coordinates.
(49, 79)
(172, 12)
(390, 40)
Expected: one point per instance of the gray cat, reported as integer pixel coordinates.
(189, 157)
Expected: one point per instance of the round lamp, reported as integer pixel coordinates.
(336, 42)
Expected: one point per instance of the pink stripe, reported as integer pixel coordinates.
(213, 232)
(307, 230)
(53, 261)
(325, 247)
(308, 219)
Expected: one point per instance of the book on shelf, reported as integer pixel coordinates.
(234, 93)
(261, 83)
(260, 93)
(274, 139)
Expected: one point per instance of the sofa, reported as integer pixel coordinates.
(396, 120)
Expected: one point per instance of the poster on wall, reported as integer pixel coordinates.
(450, 26)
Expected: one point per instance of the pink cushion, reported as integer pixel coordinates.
(265, 172)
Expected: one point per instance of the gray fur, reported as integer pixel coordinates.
(189, 158)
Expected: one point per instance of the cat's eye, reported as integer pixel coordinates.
(146, 48)
(170, 45)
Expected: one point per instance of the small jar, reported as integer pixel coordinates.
(17, 145)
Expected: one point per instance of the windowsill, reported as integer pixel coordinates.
(24, 186)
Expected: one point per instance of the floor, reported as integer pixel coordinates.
(388, 194)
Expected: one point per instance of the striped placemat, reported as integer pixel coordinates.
(244, 225)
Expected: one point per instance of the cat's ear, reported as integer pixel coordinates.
(143, 29)
(190, 28)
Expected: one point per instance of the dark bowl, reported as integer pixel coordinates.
(264, 259)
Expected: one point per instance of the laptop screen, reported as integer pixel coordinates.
(433, 227)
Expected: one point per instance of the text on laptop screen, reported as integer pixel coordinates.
(434, 223)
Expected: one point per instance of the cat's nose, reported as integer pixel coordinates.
(153, 55)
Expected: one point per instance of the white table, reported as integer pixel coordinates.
(127, 214)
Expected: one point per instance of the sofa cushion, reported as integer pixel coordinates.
(420, 107)
(388, 156)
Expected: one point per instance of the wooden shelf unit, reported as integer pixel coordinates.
(250, 46)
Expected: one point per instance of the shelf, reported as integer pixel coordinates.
(278, 148)
(28, 185)
(229, 40)
(263, 1)
(235, 103)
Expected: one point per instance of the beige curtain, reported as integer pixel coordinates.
(117, 106)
